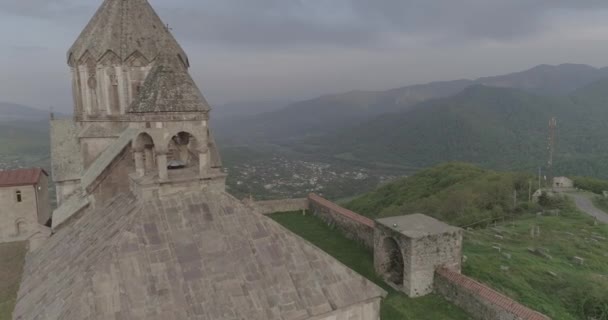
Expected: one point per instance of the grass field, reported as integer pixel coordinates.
(12, 258)
(396, 306)
(542, 274)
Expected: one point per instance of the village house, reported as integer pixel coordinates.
(24, 203)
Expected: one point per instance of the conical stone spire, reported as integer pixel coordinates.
(169, 88)
(127, 28)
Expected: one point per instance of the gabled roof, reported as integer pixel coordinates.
(127, 28)
(21, 177)
(169, 88)
(200, 255)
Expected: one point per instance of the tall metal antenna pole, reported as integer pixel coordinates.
(551, 147)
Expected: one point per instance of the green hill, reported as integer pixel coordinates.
(497, 128)
(458, 193)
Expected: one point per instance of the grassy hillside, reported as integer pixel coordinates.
(458, 193)
(541, 270)
(12, 258)
(396, 306)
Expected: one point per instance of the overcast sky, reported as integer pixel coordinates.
(243, 50)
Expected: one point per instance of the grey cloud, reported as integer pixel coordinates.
(264, 23)
(64, 10)
(359, 22)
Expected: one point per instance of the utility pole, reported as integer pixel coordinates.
(529, 190)
(551, 147)
(539, 177)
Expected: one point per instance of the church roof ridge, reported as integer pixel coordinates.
(125, 28)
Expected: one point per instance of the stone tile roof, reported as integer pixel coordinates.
(417, 225)
(491, 296)
(169, 88)
(188, 256)
(126, 27)
(20, 177)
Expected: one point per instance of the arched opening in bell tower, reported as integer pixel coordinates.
(182, 151)
(145, 155)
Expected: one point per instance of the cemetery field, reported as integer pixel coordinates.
(540, 271)
(12, 258)
(396, 306)
(561, 270)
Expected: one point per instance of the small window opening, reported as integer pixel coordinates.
(19, 199)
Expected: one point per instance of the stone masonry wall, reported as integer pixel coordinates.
(273, 206)
(480, 301)
(354, 226)
(18, 220)
(114, 180)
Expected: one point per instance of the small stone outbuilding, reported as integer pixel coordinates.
(409, 249)
(562, 182)
(24, 203)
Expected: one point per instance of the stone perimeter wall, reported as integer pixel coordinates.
(480, 301)
(354, 226)
(274, 206)
(476, 299)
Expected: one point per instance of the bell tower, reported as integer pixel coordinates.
(114, 54)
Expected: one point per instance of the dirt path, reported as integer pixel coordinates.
(585, 204)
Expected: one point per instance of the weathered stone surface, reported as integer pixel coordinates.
(479, 300)
(202, 256)
(24, 204)
(422, 243)
(274, 206)
(65, 150)
(169, 88)
(126, 29)
(353, 225)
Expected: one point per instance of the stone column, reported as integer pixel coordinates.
(149, 154)
(204, 159)
(161, 159)
(139, 163)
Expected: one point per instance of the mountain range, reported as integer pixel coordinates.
(500, 128)
(334, 112)
(10, 112)
(498, 122)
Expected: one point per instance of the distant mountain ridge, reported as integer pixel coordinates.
(500, 128)
(334, 112)
(10, 112)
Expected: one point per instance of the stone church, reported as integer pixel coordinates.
(144, 227)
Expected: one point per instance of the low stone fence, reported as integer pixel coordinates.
(354, 226)
(274, 206)
(479, 300)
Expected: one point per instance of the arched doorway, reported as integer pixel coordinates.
(393, 265)
(20, 228)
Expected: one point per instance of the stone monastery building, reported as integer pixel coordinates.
(24, 204)
(144, 227)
